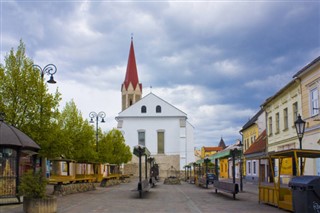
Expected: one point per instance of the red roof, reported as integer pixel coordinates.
(210, 149)
(132, 73)
(259, 145)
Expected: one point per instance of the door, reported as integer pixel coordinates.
(262, 172)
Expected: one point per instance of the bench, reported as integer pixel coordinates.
(232, 188)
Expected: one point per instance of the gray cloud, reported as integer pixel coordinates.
(217, 61)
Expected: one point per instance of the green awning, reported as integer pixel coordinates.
(225, 154)
(139, 149)
(199, 161)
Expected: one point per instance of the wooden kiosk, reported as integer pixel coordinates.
(277, 192)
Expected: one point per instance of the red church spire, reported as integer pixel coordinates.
(132, 73)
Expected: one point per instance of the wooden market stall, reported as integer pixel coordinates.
(277, 192)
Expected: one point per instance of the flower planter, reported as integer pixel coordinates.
(40, 205)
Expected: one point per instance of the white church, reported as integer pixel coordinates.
(152, 122)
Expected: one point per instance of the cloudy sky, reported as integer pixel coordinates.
(215, 60)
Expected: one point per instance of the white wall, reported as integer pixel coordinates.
(131, 126)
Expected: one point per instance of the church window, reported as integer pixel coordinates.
(158, 109)
(143, 109)
(142, 137)
(160, 142)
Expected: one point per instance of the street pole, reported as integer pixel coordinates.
(95, 115)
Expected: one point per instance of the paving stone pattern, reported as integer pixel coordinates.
(184, 198)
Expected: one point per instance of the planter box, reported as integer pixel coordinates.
(40, 205)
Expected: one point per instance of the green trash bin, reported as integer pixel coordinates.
(305, 194)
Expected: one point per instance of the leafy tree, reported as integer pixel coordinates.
(77, 135)
(25, 99)
(112, 148)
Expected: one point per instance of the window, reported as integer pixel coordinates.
(270, 125)
(249, 167)
(285, 119)
(160, 142)
(277, 122)
(295, 111)
(142, 138)
(143, 109)
(158, 109)
(254, 167)
(314, 102)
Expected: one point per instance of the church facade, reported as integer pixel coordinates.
(152, 122)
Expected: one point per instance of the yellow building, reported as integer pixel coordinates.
(309, 78)
(207, 151)
(282, 111)
(250, 132)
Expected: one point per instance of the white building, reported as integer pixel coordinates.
(154, 123)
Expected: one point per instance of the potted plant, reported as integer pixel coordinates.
(33, 189)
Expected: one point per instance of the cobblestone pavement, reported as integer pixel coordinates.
(182, 198)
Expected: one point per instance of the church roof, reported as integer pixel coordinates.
(150, 101)
(222, 144)
(132, 73)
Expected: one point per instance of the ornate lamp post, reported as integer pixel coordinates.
(95, 115)
(300, 127)
(49, 69)
(206, 161)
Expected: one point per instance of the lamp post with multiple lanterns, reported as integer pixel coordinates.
(95, 115)
(49, 69)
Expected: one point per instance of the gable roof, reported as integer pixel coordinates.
(252, 120)
(315, 61)
(151, 101)
(132, 73)
(282, 90)
(259, 145)
(213, 148)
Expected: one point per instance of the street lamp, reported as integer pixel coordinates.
(300, 127)
(95, 115)
(206, 161)
(49, 69)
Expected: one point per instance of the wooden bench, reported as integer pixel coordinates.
(232, 188)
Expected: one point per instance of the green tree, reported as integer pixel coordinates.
(76, 134)
(25, 100)
(112, 148)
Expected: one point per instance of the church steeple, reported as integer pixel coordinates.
(131, 88)
(222, 144)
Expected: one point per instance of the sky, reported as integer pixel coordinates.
(217, 61)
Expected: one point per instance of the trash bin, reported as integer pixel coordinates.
(305, 194)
